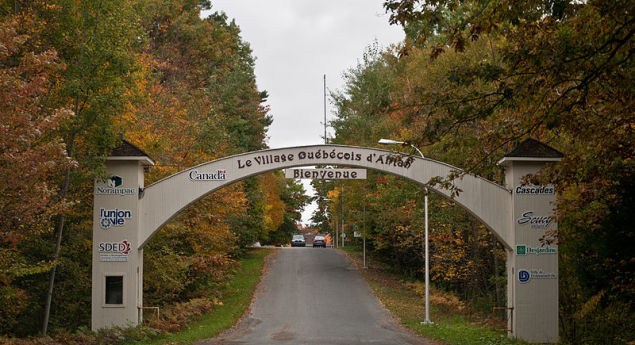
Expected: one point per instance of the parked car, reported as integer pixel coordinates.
(298, 241)
(319, 241)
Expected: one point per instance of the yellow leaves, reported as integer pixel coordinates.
(334, 193)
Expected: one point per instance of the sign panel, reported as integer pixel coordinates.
(217, 175)
(326, 174)
(522, 249)
(113, 186)
(116, 217)
(114, 251)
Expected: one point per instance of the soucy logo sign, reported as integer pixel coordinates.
(116, 217)
(536, 222)
(218, 175)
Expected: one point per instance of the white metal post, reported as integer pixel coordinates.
(427, 262)
(427, 319)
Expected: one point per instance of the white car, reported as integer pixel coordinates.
(298, 241)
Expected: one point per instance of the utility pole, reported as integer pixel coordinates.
(364, 234)
(342, 203)
(337, 234)
(325, 141)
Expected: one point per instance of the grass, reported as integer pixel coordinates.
(451, 326)
(236, 299)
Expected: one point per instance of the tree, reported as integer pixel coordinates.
(558, 71)
(32, 153)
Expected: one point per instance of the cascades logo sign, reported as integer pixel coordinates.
(114, 187)
(116, 217)
(534, 190)
(114, 251)
(218, 175)
(536, 222)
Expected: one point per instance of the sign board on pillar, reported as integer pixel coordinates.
(326, 174)
(117, 272)
(532, 267)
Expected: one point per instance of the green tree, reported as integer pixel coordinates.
(559, 71)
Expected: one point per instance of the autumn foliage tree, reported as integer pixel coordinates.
(472, 80)
(76, 78)
(31, 154)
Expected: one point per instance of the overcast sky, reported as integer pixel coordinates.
(296, 42)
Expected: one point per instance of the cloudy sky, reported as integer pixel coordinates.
(297, 42)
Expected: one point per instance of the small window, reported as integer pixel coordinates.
(114, 290)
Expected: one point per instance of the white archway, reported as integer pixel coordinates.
(164, 199)
(127, 214)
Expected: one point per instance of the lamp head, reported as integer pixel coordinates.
(391, 142)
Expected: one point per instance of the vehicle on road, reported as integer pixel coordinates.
(298, 241)
(319, 241)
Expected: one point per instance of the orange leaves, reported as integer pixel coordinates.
(30, 149)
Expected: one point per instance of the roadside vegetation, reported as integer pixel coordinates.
(182, 323)
(455, 321)
(237, 296)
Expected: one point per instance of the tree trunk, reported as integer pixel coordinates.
(58, 243)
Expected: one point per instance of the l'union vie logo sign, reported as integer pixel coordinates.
(116, 217)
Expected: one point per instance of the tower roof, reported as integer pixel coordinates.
(128, 151)
(532, 150)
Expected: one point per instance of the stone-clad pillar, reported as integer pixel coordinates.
(532, 267)
(117, 275)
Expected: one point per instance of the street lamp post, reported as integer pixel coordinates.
(427, 261)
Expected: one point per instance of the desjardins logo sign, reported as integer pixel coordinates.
(524, 250)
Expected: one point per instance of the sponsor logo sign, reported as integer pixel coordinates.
(322, 156)
(218, 175)
(114, 187)
(116, 217)
(114, 251)
(524, 276)
(532, 189)
(326, 174)
(535, 222)
(524, 250)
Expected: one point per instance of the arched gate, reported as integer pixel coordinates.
(127, 214)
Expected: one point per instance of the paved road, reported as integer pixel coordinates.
(316, 296)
